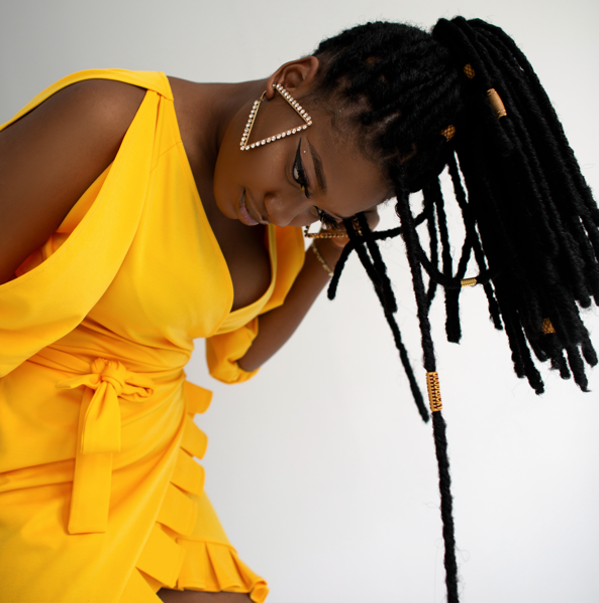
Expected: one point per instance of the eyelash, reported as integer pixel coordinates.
(300, 177)
(326, 219)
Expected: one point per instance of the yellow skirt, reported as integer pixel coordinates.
(80, 521)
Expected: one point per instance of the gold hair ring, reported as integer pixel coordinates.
(547, 327)
(434, 391)
(245, 145)
(469, 71)
(448, 132)
(356, 224)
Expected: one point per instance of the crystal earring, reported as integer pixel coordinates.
(245, 145)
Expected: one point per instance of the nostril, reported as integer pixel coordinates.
(275, 211)
(285, 210)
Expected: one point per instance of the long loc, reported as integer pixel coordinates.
(362, 240)
(440, 435)
(410, 238)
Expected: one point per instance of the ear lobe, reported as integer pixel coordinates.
(294, 75)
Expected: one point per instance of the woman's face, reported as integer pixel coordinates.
(293, 180)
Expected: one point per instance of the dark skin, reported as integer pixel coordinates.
(53, 154)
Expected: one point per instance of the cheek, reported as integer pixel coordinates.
(224, 184)
(227, 180)
(231, 177)
(263, 172)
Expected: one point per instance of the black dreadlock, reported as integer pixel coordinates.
(530, 220)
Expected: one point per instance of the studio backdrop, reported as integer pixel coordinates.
(320, 468)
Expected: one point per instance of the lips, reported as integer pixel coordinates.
(245, 215)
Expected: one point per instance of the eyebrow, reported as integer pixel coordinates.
(318, 170)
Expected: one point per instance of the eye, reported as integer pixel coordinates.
(296, 174)
(299, 175)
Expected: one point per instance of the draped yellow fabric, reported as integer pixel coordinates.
(101, 499)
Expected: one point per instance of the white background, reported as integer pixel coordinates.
(320, 468)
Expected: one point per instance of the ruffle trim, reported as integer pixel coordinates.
(168, 558)
(214, 567)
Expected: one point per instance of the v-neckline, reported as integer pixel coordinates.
(271, 239)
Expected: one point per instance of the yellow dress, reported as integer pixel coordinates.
(100, 497)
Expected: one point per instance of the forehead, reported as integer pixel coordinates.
(353, 182)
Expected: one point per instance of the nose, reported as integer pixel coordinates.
(282, 211)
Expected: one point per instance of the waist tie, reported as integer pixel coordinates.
(98, 437)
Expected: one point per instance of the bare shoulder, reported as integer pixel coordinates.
(90, 104)
(50, 156)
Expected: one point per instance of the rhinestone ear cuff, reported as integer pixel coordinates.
(245, 144)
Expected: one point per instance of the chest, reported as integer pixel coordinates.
(244, 248)
(178, 282)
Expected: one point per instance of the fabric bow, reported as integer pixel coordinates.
(101, 429)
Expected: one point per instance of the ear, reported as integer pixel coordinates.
(295, 77)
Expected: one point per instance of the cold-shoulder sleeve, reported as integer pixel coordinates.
(225, 349)
(51, 297)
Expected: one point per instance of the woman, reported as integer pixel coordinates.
(101, 175)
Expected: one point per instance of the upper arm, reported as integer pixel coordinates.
(50, 156)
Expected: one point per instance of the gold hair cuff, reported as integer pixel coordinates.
(434, 391)
(496, 103)
(321, 259)
(356, 224)
(469, 71)
(448, 132)
(468, 282)
(547, 327)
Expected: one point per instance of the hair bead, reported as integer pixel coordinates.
(469, 71)
(496, 103)
(547, 327)
(448, 132)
